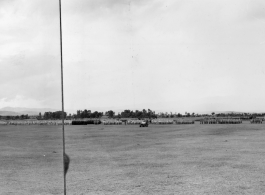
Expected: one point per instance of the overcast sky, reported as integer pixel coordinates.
(166, 55)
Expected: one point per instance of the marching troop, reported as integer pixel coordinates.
(39, 122)
(256, 120)
(220, 121)
(134, 122)
(184, 122)
(111, 122)
(162, 122)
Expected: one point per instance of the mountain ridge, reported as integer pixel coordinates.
(14, 111)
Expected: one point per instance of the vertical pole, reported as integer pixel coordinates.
(61, 49)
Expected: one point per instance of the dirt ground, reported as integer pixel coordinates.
(160, 159)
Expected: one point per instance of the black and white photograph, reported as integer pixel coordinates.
(137, 97)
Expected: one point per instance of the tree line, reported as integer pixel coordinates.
(52, 115)
(148, 113)
(18, 117)
(81, 114)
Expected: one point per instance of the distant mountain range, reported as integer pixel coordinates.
(234, 112)
(14, 111)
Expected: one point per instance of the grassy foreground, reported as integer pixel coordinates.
(160, 159)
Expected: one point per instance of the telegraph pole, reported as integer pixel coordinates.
(61, 49)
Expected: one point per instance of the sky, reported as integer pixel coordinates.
(165, 55)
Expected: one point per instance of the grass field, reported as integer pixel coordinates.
(160, 159)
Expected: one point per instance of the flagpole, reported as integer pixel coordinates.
(61, 49)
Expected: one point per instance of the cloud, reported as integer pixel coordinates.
(23, 66)
(255, 10)
(101, 6)
(30, 60)
(131, 54)
(19, 101)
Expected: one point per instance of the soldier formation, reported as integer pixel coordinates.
(38, 122)
(256, 120)
(162, 122)
(220, 121)
(111, 122)
(134, 122)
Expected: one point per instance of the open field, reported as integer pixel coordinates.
(160, 159)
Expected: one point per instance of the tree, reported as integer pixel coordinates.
(78, 113)
(40, 116)
(84, 114)
(126, 114)
(149, 113)
(138, 114)
(110, 113)
(144, 113)
(53, 115)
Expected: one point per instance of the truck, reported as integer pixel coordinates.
(144, 123)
